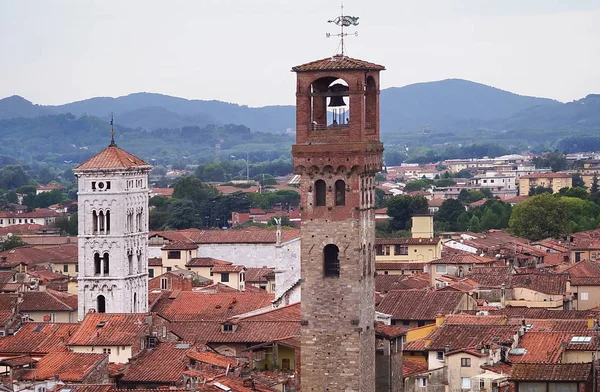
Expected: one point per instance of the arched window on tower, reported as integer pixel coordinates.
(101, 304)
(106, 264)
(371, 104)
(130, 259)
(320, 193)
(340, 193)
(135, 307)
(369, 260)
(331, 261)
(107, 222)
(97, 264)
(94, 222)
(101, 222)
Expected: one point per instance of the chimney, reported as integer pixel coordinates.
(439, 319)
(502, 297)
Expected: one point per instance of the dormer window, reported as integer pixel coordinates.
(227, 327)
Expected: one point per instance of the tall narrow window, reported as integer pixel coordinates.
(369, 260)
(101, 304)
(97, 264)
(101, 222)
(130, 259)
(94, 222)
(320, 192)
(135, 303)
(340, 193)
(106, 264)
(331, 262)
(107, 222)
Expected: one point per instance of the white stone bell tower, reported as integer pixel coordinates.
(113, 233)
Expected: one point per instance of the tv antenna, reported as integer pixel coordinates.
(343, 21)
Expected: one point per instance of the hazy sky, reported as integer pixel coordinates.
(53, 51)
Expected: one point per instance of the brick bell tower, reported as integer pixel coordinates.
(337, 153)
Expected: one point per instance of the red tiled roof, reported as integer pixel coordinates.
(459, 336)
(37, 213)
(180, 246)
(228, 268)
(197, 306)
(38, 338)
(389, 331)
(259, 275)
(105, 329)
(85, 387)
(551, 372)
(411, 367)
(155, 262)
(212, 358)
(385, 283)
(165, 192)
(541, 347)
(467, 319)
(67, 366)
(50, 300)
(206, 262)
(584, 273)
(500, 368)
(401, 304)
(407, 241)
(164, 364)
(112, 157)
(548, 175)
(517, 199)
(267, 326)
(416, 345)
(552, 284)
(467, 258)
(398, 266)
(63, 254)
(337, 63)
(252, 235)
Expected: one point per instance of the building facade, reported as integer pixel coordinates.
(113, 233)
(337, 159)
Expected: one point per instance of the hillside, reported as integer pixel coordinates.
(15, 106)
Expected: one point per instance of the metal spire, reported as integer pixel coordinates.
(112, 131)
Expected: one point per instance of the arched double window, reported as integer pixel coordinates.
(340, 193)
(331, 261)
(320, 193)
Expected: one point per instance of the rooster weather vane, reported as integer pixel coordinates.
(343, 21)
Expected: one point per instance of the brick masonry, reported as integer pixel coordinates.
(338, 336)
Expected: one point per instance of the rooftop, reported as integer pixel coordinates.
(106, 329)
(113, 157)
(401, 304)
(337, 63)
(551, 372)
(67, 366)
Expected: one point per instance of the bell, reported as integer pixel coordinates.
(336, 101)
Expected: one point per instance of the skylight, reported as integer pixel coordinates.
(581, 339)
(518, 351)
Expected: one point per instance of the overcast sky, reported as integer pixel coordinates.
(53, 51)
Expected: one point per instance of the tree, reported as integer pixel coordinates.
(539, 190)
(489, 220)
(67, 224)
(463, 222)
(449, 212)
(380, 201)
(184, 215)
(594, 188)
(555, 160)
(578, 192)
(12, 197)
(402, 207)
(417, 185)
(577, 181)
(191, 188)
(541, 216)
(444, 182)
(11, 242)
(474, 225)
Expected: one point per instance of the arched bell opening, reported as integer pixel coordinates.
(331, 261)
(330, 103)
(101, 304)
(370, 103)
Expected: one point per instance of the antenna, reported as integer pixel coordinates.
(343, 21)
(112, 130)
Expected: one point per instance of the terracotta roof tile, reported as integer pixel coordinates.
(458, 336)
(259, 275)
(467, 258)
(401, 304)
(212, 358)
(67, 366)
(398, 266)
(155, 262)
(551, 372)
(467, 319)
(407, 241)
(190, 306)
(411, 367)
(38, 338)
(206, 262)
(164, 364)
(85, 387)
(540, 347)
(385, 283)
(112, 157)
(180, 245)
(32, 256)
(389, 331)
(228, 268)
(50, 300)
(337, 63)
(552, 284)
(106, 329)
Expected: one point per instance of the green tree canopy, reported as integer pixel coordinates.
(402, 207)
(541, 216)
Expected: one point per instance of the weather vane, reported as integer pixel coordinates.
(343, 21)
(112, 129)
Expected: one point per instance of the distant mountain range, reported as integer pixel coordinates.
(448, 105)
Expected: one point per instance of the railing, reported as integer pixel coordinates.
(322, 127)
